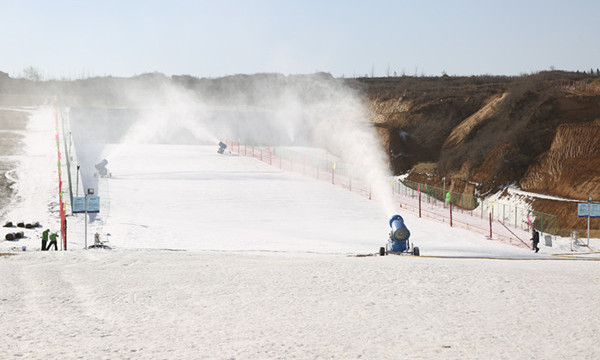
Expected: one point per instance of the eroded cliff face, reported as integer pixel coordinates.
(571, 167)
(541, 132)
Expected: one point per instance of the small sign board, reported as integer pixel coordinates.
(93, 204)
(583, 209)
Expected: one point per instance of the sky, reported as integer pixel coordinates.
(347, 38)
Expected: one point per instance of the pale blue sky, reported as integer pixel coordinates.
(345, 38)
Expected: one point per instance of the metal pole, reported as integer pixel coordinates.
(444, 193)
(77, 186)
(85, 221)
(350, 183)
(588, 224)
(419, 203)
(333, 174)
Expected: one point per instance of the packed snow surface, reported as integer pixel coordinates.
(225, 257)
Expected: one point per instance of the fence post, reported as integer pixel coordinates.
(350, 181)
(490, 225)
(450, 214)
(333, 173)
(418, 191)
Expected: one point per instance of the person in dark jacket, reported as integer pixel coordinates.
(536, 240)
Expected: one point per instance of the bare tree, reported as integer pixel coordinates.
(32, 74)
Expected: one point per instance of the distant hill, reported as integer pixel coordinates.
(481, 133)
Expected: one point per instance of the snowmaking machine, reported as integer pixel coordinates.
(101, 169)
(222, 147)
(398, 242)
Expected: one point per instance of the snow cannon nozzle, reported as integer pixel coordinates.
(399, 230)
(101, 167)
(222, 147)
(398, 242)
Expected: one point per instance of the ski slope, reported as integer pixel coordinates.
(226, 257)
(208, 201)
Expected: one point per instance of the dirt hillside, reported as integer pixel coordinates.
(541, 132)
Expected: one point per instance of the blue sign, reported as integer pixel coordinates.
(93, 204)
(78, 204)
(583, 209)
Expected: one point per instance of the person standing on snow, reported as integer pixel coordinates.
(45, 239)
(536, 240)
(53, 241)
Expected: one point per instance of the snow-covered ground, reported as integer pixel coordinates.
(226, 257)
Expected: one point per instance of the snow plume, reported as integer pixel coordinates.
(169, 114)
(336, 118)
(319, 111)
(263, 109)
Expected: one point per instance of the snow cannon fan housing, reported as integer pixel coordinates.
(101, 167)
(222, 147)
(400, 234)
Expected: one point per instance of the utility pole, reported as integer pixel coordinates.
(90, 191)
(589, 213)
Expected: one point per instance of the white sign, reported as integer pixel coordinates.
(583, 209)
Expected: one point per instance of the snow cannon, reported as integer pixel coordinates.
(101, 167)
(398, 242)
(222, 147)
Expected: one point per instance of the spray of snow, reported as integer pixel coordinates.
(312, 110)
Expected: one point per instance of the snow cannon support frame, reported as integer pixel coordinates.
(398, 242)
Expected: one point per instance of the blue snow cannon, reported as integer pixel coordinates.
(398, 242)
(222, 147)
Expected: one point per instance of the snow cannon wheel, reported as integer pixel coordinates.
(8, 224)
(416, 251)
(381, 251)
(9, 236)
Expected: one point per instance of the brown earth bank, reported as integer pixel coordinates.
(481, 133)
(541, 132)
